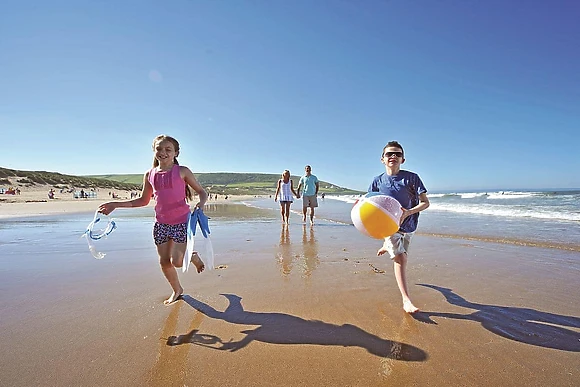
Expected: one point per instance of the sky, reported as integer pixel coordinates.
(481, 94)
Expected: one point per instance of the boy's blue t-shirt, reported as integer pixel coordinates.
(406, 187)
(309, 183)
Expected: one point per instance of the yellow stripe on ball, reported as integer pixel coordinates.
(377, 223)
(376, 215)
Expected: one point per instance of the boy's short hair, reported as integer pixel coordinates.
(394, 144)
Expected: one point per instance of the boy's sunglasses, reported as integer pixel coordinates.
(389, 154)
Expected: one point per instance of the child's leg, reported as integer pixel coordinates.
(197, 262)
(282, 211)
(287, 207)
(165, 251)
(177, 254)
(396, 246)
(400, 266)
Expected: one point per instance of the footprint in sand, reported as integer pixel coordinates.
(221, 267)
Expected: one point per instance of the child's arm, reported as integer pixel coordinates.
(146, 192)
(423, 205)
(277, 190)
(190, 179)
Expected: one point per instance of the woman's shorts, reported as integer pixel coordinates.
(164, 232)
(398, 243)
(285, 201)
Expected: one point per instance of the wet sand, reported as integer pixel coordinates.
(290, 306)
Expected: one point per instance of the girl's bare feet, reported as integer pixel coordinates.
(409, 307)
(196, 260)
(174, 297)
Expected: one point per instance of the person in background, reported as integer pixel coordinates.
(285, 188)
(309, 193)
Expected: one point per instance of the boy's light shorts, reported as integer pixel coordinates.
(309, 201)
(398, 243)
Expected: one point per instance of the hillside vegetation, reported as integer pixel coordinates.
(12, 177)
(222, 183)
(237, 183)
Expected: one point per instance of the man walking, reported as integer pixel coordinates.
(310, 184)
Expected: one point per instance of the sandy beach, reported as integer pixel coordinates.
(34, 201)
(287, 306)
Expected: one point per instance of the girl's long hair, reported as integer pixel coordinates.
(161, 138)
(289, 176)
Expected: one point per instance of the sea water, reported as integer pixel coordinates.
(544, 218)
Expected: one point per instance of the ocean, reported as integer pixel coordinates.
(543, 218)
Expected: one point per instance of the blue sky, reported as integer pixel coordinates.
(482, 94)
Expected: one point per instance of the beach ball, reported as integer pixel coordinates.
(376, 215)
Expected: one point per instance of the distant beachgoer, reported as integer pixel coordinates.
(82, 194)
(51, 194)
(285, 188)
(309, 194)
(409, 190)
(322, 195)
(170, 184)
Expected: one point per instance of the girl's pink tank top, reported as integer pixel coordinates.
(169, 194)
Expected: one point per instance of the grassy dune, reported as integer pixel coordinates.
(222, 183)
(237, 183)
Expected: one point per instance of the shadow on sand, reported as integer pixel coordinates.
(520, 324)
(280, 328)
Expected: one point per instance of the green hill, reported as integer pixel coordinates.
(237, 183)
(13, 177)
(222, 183)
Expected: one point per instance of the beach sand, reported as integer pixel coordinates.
(33, 201)
(290, 306)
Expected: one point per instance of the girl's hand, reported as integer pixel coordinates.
(199, 205)
(107, 208)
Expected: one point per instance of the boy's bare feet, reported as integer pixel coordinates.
(196, 260)
(409, 307)
(174, 297)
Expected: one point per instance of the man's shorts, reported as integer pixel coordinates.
(309, 201)
(164, 232)
(398, 243)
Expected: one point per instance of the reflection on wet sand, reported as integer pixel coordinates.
(310, 251)
(284, 255)
(308, 259)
